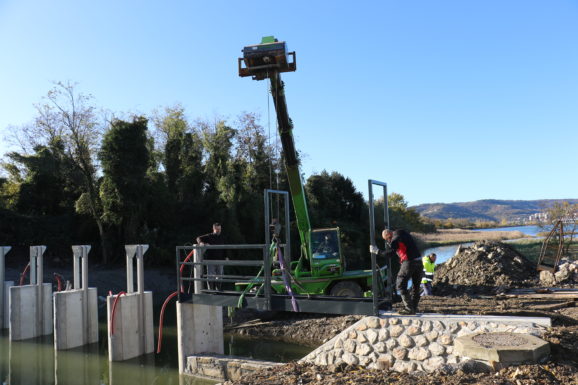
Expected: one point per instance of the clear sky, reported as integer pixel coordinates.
(444, 100)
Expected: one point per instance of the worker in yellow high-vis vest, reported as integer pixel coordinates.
(429, 265)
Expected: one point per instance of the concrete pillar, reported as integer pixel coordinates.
(4, 288)
(31, 305)
(76, 311)
(199, 330)
(132, 333)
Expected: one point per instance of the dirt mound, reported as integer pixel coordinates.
(486, 267)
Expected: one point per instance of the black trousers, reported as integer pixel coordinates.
(410, 269)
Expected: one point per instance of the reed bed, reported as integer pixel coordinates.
(454, 236)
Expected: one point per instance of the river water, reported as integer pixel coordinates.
(34, 362)
(444, 253)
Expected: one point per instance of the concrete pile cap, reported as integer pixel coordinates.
(502, 347)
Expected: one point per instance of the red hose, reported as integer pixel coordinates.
(58, 278)
(23, 275)
(162, 316)
(183, 267)
(111, 327)
(160, 340)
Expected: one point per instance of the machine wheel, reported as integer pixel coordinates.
(346, 289)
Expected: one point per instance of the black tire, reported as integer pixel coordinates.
(346, 289)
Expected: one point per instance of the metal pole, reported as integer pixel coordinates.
(372, 240)
(198, 271)
(267, 273)
(267, 219)
(287, 232)
(3, 251)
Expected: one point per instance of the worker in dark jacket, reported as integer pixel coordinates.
(214, 238)
(403, 244)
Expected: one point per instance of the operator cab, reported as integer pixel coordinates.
(260, 58)
(326, 252)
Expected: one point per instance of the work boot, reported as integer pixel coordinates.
(415, 303)
(407, 308)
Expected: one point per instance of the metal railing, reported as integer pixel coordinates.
(201, 278)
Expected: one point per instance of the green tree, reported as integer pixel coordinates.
(125, 158)
(66, 120)
(334, 202)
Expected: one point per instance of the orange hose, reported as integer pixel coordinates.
(111, 327)
(23, 275)
(160, 339)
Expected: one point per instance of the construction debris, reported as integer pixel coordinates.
(566, 274)
(486, 267)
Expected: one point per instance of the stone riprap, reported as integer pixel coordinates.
(410, 343)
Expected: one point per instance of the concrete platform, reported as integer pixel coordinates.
(200, 330)
(74, 323)
(30, 311)
(502, 347)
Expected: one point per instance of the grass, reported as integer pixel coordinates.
(456, 236)
(529, 248)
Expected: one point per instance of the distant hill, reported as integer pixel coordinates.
(487, 209)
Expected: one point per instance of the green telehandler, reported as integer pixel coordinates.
(321, 268)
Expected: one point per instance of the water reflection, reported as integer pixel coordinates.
(267, 350)
(35, 362)
(77, 366)
(29, 363)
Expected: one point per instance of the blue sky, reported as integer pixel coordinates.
(444, 100)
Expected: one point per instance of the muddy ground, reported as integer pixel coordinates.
(488, 278)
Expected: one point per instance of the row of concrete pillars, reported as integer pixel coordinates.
(32, 310)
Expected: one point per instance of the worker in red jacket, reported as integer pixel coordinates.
(403, 244)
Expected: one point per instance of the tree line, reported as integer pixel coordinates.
(81, 178)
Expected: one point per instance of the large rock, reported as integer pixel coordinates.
(547, 278)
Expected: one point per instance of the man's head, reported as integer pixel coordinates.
(432, 257)
(216, 228)
(387, 234)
